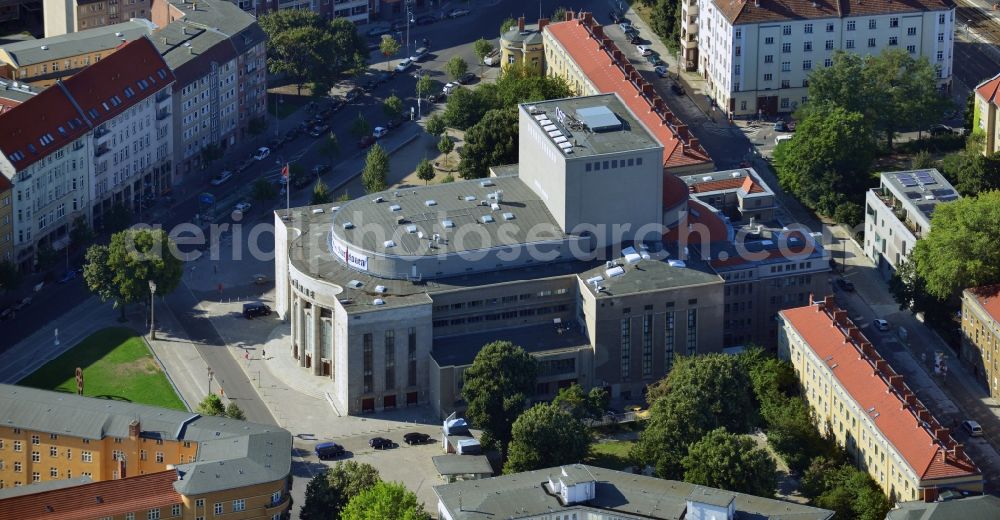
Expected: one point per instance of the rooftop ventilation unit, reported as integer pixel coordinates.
(378, 301)
(394, 207)
(549, 128)
(676, 263)
(389, 243)
(411, 229)
(560, 139)
(495, 206)
(348, 225)
(555, 133)
(599, 119)
(354, 284)
(615, 271)
(508, 216)
(470, 198)
(594, 280)
(380, 289)
(45, 47)
(487, 219)
(377, 200)
(430, 203)
(334, 209)
(448, 223)
(736, 175)
(486, 183)
(706, 178)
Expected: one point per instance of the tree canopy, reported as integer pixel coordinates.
(306, 47)
(392, 106)
(329, 491)
(833, 484)
(121, 271)
(515, 84)
(960, 251)
(321, 193)
(388, 47)
(456, 67)
(384, 500)
(376, 172)
(425, 171)
(497, 385)
(490, 142)
(582, 405)
(211, 405)
(435, 125)
(733, 462)
(546, 436)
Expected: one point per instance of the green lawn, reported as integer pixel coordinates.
(610, 454)
(116, 365)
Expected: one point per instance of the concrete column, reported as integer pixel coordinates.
(299, 318)
(317, 350)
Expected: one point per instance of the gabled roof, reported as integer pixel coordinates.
(95, 500)
(580, 39)
(66, 111)
(989, 89)
(748, 11)
(892, 407)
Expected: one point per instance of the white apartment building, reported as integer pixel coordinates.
(100, 138)
(757, 55)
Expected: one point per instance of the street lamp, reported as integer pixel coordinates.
(210, 374)
(152, 309)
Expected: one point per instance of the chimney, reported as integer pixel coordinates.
(958, 451)
(695, 143)
(520, 24)
(542, 22)
(647, 90)
(910, 398)
(881, 366)
(896, 382)
(942, 434)
(569, 15)
(133, 429)
(682, 131)
(164, 40)
(923, 415)
(811, 301)
(828, 302)
(588, 18)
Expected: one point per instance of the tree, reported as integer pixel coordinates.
(121, 270)
(80, 233)
(582, 405)
(464, 109)
(301, 53)
(360, 126)
(829, 157)
(329, 492)
(445, 146)
(664, 19)
(262, 190)
(971, 172)
(546, 436)
(10, 277)
(376, 172)
(320, 88)
(498, 383)
(424, 84)
(490, 142)
(435, 125)
(385, 500)
(321, 194)
(732, 462)
(330, 146)
(306, 47)
(211, 405)
(425, 171)
(969, 113)
(233, 411)
(910, 292)
(506, 25)
(559, 14)
(847, 491)
(792, 433)
(921, 160)
(960, 249)
(388, 47)
(482, 47)
(393, 106)
(456, 67)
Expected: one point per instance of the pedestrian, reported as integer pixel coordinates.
(215, 268)
(263, 353)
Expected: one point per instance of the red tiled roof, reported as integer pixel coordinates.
(988, 90)
(988, 297)
(7, 104)
(746, 183)
(873, 385)
(50, 120)
(699, 218)
(599, 67)
(96, 500)
(100, 88)
(746, 12)
(674, 192)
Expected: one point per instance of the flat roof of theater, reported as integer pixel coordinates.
(455, 211)
(565, 121)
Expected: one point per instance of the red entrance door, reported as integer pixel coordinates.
(411, 399)
(368, 405)
(389, 402)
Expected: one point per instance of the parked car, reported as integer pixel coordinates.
(845, 284)
(319, 130)
(26, 301)
(467, 78)
(252, 310)
(780, 126)
(615, 16)
(320, 169)
(378, 32)
(644, 50)
(782, 138)
(492, 59)
(68, 276)
(634, 39)
(221, 178)
(661, 71)
(380, 132)
(416, 438)
(939, 130)
(624, 24)
(426, 20)
(7, 314)
(275, 143)
(654, 60)
(395, 122)
(404, 65)
(382, 77)
(882, 325)
(242, 207)
(419, 54)
(459, 12)
(380, 443)
(366, 141)
(301, 181)
(328, 450)
(435, 97)
(262, 153)
(630, 31)
(973, 428)
(244, 166)
(677, 89)
(449, 87)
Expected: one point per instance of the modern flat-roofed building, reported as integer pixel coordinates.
(69, 16)
(982, 507)
(757, 55)
(584, 491)
(138, 458)
(987, 114)
(41, 63)
(868, 408)
(578, 51)
(898, 213)
(981, 334)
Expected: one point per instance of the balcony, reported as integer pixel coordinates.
(162, 114)
(101, 131)
(692, 9)
(101, 150)
(162, 96)
(692, 29)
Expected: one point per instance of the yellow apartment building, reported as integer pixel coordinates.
(981, 334)
(58, 448)
(870, 411)
(521, 44)
(986, 118)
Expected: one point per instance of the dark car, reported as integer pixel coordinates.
(383, 77)
(68, 276)
(366, 141)
(615, 16)
(245, 165)
(380, 443)
(320, 169)
(301, 181)
(328, 450)
(634, 39)
(319, 130)
(395, 122)
(275, 143)
(252, 310)
(846, 285)
(426, 20)
(677, 89)
(416, 438)
(467, 78)
(352, 95)
(378, 32)
(938, 130)
(654, 59)
(436, 97)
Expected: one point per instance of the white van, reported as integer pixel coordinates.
(781, 138)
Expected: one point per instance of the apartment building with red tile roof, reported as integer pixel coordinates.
(579, 51)
(108, 499)
(987, 114)
(869, 409)
(981, 334)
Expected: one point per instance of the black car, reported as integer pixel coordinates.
(252, 310)
(352, 95)
(846, 285)
(634, 39)
(467, 78)
(380, 443)
(426, 20)
(416, 438)
(328, 450)
(677, 89)
(319, 130)
(383, 77)
(366, 141)
(320, 169)
(395, 122)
